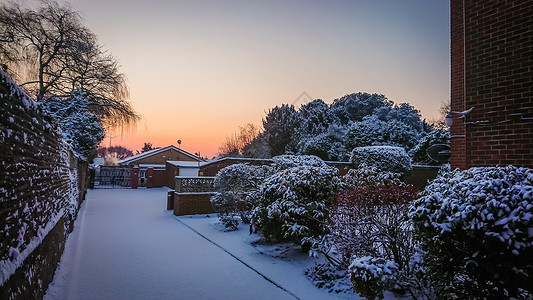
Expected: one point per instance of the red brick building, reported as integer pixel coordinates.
(492, 71)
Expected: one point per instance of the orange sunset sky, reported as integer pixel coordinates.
(197, 70)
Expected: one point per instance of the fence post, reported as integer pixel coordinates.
(178, 185)
(135, 178)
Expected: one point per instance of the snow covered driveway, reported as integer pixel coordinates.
(125, 245)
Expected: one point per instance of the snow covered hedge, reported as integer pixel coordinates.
(283, 162)
(384, 158)
(476, 231)
(293, 204)
(370, 176)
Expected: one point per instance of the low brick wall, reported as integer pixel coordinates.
(192, 203)
(420, 175)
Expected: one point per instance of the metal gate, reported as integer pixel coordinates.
(112, 177)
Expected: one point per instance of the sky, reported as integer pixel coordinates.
(197, 70)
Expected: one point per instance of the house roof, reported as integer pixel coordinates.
(156, 151)
(186, 164)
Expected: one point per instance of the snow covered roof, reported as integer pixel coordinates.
(186, 164)
(155, 166)
(156, 151)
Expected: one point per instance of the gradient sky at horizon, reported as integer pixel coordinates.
(197, 70)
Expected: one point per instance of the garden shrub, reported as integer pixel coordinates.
(373, 221)
(371, 276)
(370, 176)
(293, 204)
(434, 137)
(235, 185)
(283, 162)
(475, 229)
(384, 158)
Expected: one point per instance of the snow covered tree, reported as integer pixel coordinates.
(328, 145)
(475, 232)
(293, 204)
(280, 126)
(403, 112)
(50, 52)
(354, 107)
(316, 117)
(81, 129)
(373, 131)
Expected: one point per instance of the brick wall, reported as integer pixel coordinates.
(171, 173)
(491, 52)
(192, 204)
(41, 186)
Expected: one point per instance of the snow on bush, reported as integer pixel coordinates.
(234, 184)
(384, 158)
(293, 204)
(476, 231)
(434, 137)
(283, 162)
(325, 145)
(370, 176)
(371, 276)
(330, 278)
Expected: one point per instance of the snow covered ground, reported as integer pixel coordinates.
(125, 245)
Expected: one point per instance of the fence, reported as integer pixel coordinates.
(186, 184)
(112, 177)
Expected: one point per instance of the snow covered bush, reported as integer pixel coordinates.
(373, 220)
(370, 176)
(234, 185)
(371, 276)
(293, 204)
(384, 158)
(434, 137)
(283, 162)
(476, 232)
(323, 145)
(329, 277)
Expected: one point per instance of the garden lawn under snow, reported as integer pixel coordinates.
(125, 245)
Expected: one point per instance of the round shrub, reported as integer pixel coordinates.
(293, 204)
(371, 276)
(234, 184)
(370, 176)
(384, 158)
(476, 232)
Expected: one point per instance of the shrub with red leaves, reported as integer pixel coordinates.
(373, 221)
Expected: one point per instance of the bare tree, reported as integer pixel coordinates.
(234, 143)
(50, 52)
(440, 121)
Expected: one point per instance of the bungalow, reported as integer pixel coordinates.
(151, 166)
